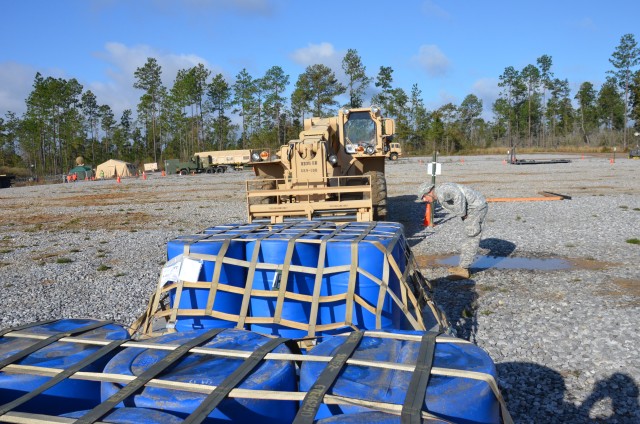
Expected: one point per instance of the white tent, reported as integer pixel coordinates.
(115, 168)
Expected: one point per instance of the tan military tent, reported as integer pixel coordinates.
(115, 168)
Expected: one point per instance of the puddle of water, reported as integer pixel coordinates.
(501, 262)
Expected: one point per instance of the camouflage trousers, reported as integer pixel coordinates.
(473, 225)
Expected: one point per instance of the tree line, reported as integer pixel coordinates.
(535, 108)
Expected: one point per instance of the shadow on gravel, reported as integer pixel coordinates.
(535, 394)
(410, 213)
(457, 298)
(497, 247)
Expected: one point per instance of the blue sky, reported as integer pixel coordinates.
(449, 48)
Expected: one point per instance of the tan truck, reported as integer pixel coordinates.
(236, 159)
(334, 171)
(395, 151)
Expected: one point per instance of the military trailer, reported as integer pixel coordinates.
(334, 171)
(237, 159)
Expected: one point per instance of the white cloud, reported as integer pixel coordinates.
(114, 88)
(260, 7)
(432, 60)
(488, 91)
(117, 91)
(16, 81)
(202, 8)
(586, 24)
(431, 9)
(323, 53)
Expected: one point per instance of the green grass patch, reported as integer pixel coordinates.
(104, 268)
(64, 261)
(633, 241)
(466, 313)
(6, 250)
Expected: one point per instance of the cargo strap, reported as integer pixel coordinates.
(246, 297)
(317, 284)
(353, 274)
(103, 409)
(103, 351)
(50, 340)
(412, 408)
(313, 398)
(212, 401)
(285, 272)
(25, 326)
(410, 295)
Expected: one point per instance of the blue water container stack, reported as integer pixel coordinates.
(452, 398)
(131, 416)
(220, 370)
(376, 244)
(38, 345)
(282, 262)
(209, 243)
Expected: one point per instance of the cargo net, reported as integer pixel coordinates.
(317, 278)
(241, 376)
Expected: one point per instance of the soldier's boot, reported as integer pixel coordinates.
(458, 273)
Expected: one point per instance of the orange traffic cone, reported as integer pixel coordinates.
(163, 174)
(611, 161)
(118, 179)
(427, 216)
(144, 175)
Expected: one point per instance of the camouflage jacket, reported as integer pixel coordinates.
(458, 199)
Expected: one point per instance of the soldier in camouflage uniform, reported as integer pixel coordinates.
(469, 205)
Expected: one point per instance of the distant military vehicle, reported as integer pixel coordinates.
(395, 150)
(193, 166)
(233, 158)
(335, 170)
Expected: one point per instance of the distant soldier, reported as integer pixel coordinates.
(469, 205)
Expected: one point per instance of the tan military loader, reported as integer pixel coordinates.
(334, 171)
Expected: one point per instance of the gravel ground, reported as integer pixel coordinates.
(554, 298)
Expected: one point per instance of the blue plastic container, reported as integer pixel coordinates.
(457, 399)
(372, 260)
(191, 298)
(273, 250)
(132, 416)
(238, 228)
(373, 417)
(210, 370)
(69, 394)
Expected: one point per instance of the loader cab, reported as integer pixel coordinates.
(360, 132)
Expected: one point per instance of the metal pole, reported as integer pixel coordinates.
(433, 181)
